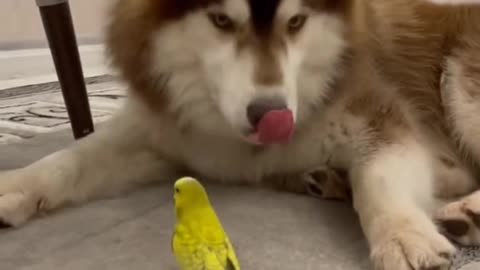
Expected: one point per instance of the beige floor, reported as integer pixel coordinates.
(271, 231)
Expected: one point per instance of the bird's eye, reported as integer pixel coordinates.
(222, 21)
(296, 23)
(177, 190)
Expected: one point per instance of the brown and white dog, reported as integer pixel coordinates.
(274, 91)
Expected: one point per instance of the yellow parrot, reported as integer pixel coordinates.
(199, 241)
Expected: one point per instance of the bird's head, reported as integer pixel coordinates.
(189, 193)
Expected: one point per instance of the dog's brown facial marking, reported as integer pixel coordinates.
(267, 42)
(268, 71)
(269, 34)
(263, 14)
(260, 36)
(171, 10)
(266, 50)
(335, 6)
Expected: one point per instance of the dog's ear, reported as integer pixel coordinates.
(454, 2)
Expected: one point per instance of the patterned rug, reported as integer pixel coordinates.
(33, 109)
(467, 259)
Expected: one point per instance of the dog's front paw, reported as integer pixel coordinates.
(18, 200)
(326, 183)
(460, 220)
(16, 208)
(412, 249)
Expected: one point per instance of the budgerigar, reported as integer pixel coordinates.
(199, 241)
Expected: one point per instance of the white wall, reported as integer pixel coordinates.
(21, 26)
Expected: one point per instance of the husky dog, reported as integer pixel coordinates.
(286, 93)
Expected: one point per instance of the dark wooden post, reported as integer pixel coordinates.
(58, 25)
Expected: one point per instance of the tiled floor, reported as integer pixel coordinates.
(30, 98)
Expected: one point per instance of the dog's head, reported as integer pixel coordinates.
(246, 68)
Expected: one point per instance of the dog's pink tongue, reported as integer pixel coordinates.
(276, 127)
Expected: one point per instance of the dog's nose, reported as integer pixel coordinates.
(259, 107)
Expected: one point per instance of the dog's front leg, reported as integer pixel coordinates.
(393, 195)
(107, 162)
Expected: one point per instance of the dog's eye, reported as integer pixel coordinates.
(222, 21)
(296, 23)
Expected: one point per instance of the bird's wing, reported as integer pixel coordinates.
(189, 252)
(194, 257)
(207, 250)
(230, 265)
(232, 261)
(220, 257)
(171, 242)
(199, 255)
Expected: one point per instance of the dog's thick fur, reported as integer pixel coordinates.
(388, 91)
